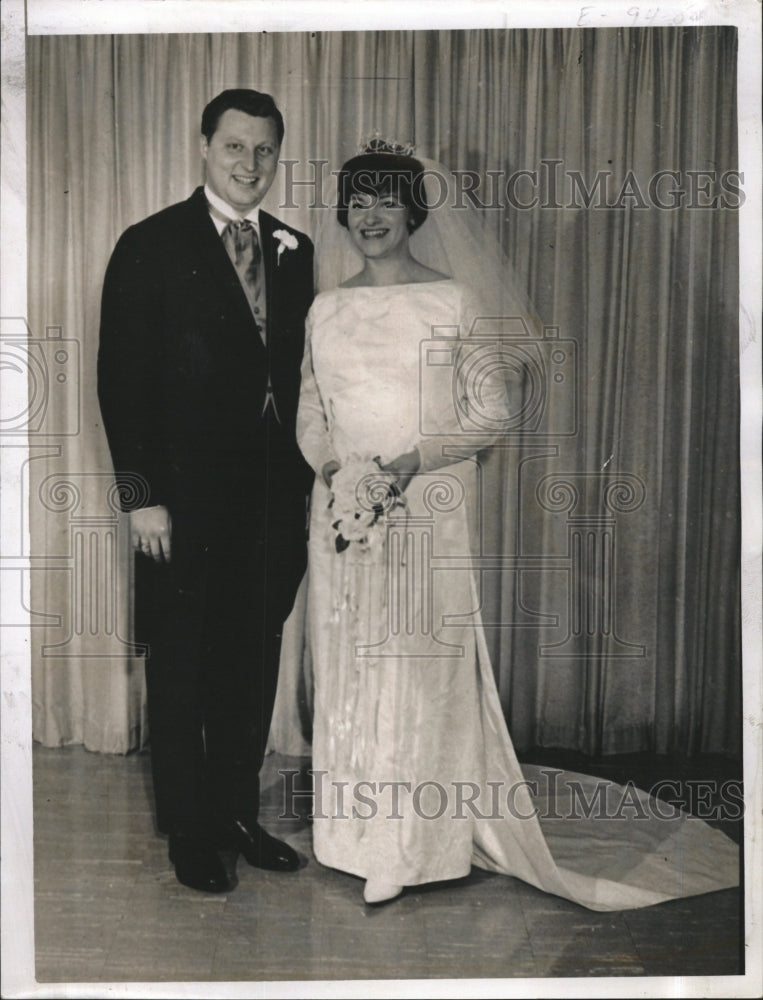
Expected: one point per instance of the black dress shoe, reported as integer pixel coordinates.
(259, 848)
(198, 865)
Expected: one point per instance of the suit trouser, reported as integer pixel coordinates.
(213, 619)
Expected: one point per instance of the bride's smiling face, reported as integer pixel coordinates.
(378, 224)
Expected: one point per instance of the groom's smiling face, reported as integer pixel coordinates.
(242, 157)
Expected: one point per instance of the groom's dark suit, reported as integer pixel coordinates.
(183, 375)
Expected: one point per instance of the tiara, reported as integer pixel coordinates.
(376, 143)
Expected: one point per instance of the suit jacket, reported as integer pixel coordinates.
(183, 373)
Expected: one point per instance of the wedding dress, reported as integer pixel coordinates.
(416, 778)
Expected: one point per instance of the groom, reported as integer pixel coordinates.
(202, 331)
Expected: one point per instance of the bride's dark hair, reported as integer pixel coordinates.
(383, 174)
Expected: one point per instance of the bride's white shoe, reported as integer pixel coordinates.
(376, 891)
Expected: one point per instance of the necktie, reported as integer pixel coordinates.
(243, 246)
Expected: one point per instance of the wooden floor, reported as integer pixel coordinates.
(108, 907)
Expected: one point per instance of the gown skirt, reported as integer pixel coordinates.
(416, 778)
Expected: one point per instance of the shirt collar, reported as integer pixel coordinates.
(253, 215)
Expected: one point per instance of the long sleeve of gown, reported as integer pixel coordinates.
(481, 415)
(313, 434)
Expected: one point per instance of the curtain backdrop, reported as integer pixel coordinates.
(613, 620)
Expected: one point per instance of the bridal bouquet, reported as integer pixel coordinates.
(362, 496)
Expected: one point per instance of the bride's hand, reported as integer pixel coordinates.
(328, 471)
(404, 467)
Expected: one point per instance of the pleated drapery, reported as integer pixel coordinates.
(603, 161)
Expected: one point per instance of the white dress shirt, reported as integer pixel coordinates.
(253, 215)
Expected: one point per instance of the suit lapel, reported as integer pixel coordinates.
(270, 258)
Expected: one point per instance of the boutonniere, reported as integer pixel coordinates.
(286, 241)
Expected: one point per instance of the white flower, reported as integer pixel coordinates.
(361, 497)
(286, 241)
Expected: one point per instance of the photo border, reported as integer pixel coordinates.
(149, 16)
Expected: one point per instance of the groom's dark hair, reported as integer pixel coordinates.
(251, 102)
(383, 174)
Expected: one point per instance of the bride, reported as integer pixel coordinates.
(415, 775)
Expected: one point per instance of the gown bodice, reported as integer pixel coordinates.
(368, 346)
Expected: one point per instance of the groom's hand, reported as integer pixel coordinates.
(151, 532)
